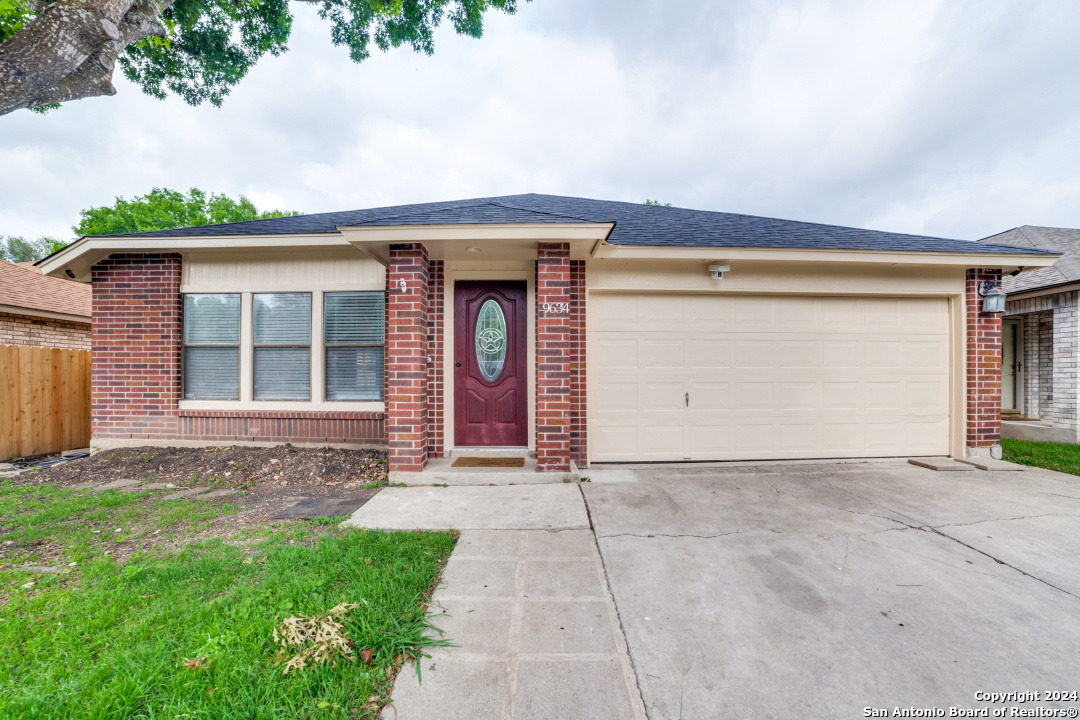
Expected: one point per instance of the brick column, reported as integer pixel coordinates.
(406, 356)
(983, 369)
(436, 330)
(135, 357)
(578, 421)
(553, 357)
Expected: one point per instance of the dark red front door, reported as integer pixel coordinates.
(490, 384)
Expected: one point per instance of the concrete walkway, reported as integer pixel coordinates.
(526, 603)
(536, 634)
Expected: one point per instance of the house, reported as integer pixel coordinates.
(42, 311)
(585, 330)
(1040, 355)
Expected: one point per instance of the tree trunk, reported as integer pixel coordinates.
(70, 49)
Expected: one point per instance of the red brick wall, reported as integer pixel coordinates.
(553, 357)
(578, 421)
(983, 364)
(436, 325)
(28, 330)
(135, 359)
(366, 428)
(406, 357)
(135, 370)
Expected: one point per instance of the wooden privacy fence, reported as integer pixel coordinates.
(44, 400)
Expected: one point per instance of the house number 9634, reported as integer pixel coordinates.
(556, 308)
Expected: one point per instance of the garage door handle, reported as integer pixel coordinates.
(687, 399)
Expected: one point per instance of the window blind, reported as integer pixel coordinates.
(354, 325)
(211, 355)
(281, 334)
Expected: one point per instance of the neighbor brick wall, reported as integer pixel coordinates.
(43, 332)
(135, 359)
(983, 364)
(553, 357)
(578, 421)
(1051, 356)
(406, 356)
(361, 428)
(436, 325)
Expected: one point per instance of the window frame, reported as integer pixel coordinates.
(326, 345)
(184, 345)
(310, 345)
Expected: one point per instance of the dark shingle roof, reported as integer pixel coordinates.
(635, 224)
(1065, 270)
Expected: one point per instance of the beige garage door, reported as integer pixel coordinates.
(697, 377)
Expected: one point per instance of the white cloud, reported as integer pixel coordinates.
(942, 117)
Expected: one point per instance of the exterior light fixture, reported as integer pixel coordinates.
(717, 271)
(993, 297)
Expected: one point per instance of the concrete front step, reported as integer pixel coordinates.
(492, 452)
(440, 472)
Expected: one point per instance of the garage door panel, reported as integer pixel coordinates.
(755, 353)
(768, 377)
(662, 354)
(708, 354)
(617, 352)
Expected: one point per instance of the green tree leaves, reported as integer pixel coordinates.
(164, 209)
(17, 249)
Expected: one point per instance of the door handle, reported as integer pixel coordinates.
(687, 399)
(457, 364)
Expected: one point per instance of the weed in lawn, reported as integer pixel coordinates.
(375, 485)
(324, 521)
(585, 479)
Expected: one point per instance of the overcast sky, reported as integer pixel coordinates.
(956, 118)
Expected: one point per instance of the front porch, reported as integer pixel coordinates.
(1039, 368)
(485, 349)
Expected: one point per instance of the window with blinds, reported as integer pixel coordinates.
(281, 340)
(211, 352)
(354, 324)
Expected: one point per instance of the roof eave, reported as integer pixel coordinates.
(1006, 261)
(76, 260)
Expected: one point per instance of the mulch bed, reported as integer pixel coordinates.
(269, 478)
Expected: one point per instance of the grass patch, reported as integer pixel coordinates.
(1052, 456)
(189, 633)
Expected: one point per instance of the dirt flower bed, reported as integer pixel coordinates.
(266, 478)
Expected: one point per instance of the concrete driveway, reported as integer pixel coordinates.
(799, 590)
(788, 590)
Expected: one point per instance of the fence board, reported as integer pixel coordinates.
(44, 400)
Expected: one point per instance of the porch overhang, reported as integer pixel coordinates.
(498, 242)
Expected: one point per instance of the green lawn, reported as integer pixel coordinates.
(1052, 456)
(114, 639)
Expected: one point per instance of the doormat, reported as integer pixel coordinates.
(488, 462)
(318, 508)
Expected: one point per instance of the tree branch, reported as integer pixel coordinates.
(69, 50)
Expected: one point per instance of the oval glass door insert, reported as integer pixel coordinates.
(490, 340)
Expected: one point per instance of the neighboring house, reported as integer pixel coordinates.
(588, 331)
(1040, 336)
(42, 311)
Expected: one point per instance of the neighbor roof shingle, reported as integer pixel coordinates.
(26, 287)
(635, 224)
(1063, 240)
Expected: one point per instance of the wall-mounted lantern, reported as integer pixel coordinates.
(717, 271)
(993, 297)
